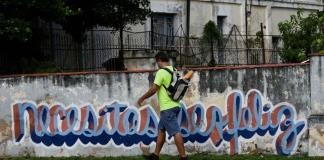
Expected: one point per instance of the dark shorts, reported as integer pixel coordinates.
(169, 121)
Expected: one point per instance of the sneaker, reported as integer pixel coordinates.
(152, 156)
(184, 158)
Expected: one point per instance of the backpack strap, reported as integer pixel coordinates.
(168, 70)
(171, 72)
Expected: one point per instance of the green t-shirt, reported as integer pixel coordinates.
(164, 77)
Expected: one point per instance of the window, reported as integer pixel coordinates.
(276, 42)
(163, 23)
(162, 27)
(220, 23)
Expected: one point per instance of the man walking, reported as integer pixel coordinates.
(169, 108)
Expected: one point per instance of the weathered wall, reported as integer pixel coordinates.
(227, 110)
(316, 120)
(317, 84)
(270, 13)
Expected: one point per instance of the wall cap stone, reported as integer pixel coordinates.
(154, 70)
(316, 54)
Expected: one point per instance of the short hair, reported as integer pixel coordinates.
(162, 56)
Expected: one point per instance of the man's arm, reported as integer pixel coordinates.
(148, 94)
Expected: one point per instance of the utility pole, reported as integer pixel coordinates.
(188, 19)
(247, 14)
(187, 42)
(152, 32)
(246, 32)
(262, 44)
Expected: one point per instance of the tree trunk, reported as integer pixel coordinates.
(121, 65)
(121, 44)
(79, 56)
(212, 60)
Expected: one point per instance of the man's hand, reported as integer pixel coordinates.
(140, 102)
(148, 94)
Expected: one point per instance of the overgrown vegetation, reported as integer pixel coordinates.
(302, 35)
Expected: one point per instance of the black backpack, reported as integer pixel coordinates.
(178, 87)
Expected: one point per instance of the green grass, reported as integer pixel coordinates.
(166, 157)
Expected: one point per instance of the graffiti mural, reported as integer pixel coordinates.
(245, 117)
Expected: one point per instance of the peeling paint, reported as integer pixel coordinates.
(317, 135)
(5, 132)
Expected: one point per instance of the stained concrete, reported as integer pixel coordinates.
(299, 85)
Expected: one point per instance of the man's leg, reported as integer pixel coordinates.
(179, 143)
(159, 142)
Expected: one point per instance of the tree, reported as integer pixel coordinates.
(211, 34)
(302, 36)
(20, 29)
(17, 18)
(114, 14)
(20, 20)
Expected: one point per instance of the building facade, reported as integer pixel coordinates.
(170, 16)
(168, 26)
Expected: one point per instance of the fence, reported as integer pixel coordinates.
(102, 48)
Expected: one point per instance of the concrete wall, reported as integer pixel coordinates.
(317, 84)
(93, 114)
(316, 120)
